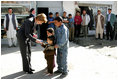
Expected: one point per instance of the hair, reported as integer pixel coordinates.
(52, 38)
(77, 11)
(57, 13)
(31, 10)
(50, 30)
(59, 19)
(84, 10)
(64, 12)
(70, 15)
(109, 9)
(50, 13)
(10, 8)
(41, 17)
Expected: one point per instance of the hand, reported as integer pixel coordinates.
(16, 28)
(39, 41)
(56, 46)
(5, 29)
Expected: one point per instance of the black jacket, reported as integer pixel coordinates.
(26, 31)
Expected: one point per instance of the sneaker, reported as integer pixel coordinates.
(65, 73)
(57, 72)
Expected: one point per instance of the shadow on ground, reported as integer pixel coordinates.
(91, 42)
(37, 75)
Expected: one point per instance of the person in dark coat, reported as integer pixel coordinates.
(25, 36)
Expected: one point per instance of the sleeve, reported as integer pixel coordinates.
(5, 22)
(63, 39)
(16, 21)
(88, 18)
(28, 34)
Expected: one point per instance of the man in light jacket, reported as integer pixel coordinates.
(85, 22)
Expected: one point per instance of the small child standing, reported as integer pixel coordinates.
(71, 27)
(49, 50)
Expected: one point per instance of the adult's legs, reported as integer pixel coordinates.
(24, 54)
(9, 42)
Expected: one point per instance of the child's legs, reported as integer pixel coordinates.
(50, 62)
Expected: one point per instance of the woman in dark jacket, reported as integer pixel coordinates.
(25, 36)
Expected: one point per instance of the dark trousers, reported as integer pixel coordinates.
(77, 30)
(109, 31)
(50, 63)
(25, 49)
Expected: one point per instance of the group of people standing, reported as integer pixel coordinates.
(79, 24)
(57, 39)
(60, 31)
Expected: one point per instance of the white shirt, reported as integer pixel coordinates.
(11, 33)
(109, 16)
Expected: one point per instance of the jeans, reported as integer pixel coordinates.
(62, 59)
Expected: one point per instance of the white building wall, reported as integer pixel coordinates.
(69, 7)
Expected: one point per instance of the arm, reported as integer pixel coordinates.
(28, 34)
(63, 39)
(16, 23)
(5, 23)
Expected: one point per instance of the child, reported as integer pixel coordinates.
(71, 27)
(51, 21)
(50, 51)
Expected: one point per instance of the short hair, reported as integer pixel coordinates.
(64, 12)
(57, 13)
(31, 10)
(109, 9)
(84, 10)
(70, 15)
(59, 19)
(52, 38)
(10, 8)
(50, 30)
(77, 11)
(99, 10)
(50, 13)
(41, 17)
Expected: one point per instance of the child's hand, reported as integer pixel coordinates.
(56, 46)
(39, 41)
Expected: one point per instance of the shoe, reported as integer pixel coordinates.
(14, 45)
(66, 73)
(28, 72)
(32, 69)
(58, 72)
(9, 46)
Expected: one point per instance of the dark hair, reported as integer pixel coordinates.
(50, 30)
(59, 19)
(31, 10)
(84, 10)
(70, 15)
(77, 11)
(10, 8)
(52, 38)
(109, 9)
(64, 12)
(50, 13)
(57, 13)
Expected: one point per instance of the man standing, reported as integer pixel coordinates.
(85, 22)
(65, 19)
(110, 20)
(99, 20)
(10, 26)
(62, 45)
